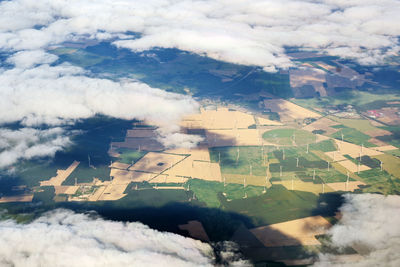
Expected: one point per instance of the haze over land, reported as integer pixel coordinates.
(256, 114)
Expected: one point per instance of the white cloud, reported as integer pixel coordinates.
(252, 32)
(61, 94)
(175, 139)
(28, 59)
(28, 143)
(65, 92)
(64, 238)
(372, 222)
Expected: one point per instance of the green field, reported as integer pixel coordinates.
(353, 136)
(289, 137)
(130, 156)
(207, 191)
(360, 99)
(361, 125)
(325, 146)
(248, 155)
(380, 182)
(277, 205)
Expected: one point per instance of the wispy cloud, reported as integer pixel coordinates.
(28, 143)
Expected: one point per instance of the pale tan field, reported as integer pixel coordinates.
(195, 153)
(335, 156)
(96, 194)
(196, 165)
(113, 192)
(121, 176)
(234, 137)
(263, 121)
(196, 230)
(305, 186)
(124, 176)
(169, 187)
(354, 150)
(222, 118)
(322, 124)
(351, 186)
(165, 178)
(61, 175)
(385, 148)
(196, 169)
(156, 162)
(292, 233)
(352, 167)
(19, 198)
(289, 111)
(120, 165)
(65, 189)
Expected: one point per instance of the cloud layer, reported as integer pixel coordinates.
(371, 222)
(27, 143)
(64, 238)
(35, 93)
(252, 32)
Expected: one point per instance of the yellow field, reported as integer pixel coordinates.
(113, 192)
(385, 148)
(391, 164)
(353, 150)
(352, 167)
(96, 194)
(263, 121)
(289, 111)
(250, 180)
(351, 186)
(65, 189)
(234, 137)
(305, 186)
(222, 118)
(335, 156)
(61, 175)
(292, 233)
